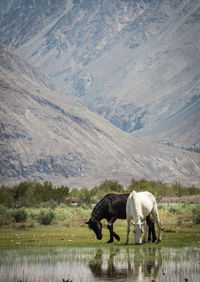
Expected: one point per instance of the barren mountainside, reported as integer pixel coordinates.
(47, 136)
(136, 63)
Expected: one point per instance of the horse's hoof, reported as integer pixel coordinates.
(110, 241)
(158, 242)
(117, 237)
(149, 241)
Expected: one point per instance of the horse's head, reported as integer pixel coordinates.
(138, 230)
(96, 226)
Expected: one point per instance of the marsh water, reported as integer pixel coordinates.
(100, 264)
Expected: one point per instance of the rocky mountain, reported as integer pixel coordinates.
(46, 135)
(136, 63)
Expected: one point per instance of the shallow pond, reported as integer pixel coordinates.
(101, 264)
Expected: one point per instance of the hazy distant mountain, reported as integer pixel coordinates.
(47, 136)
(136, 63)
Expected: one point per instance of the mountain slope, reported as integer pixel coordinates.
(47, 136)
(21, 20)
(136, 63)
(183, 127)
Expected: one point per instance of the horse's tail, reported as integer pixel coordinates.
(128, 208)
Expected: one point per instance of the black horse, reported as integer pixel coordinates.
(112, 207)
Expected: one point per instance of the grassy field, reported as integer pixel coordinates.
(81, 236)
(68, 229)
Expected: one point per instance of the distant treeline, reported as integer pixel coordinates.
(160, 189)
(36, 194)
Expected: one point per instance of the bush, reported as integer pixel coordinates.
(6, 197)
(85, 197)
(5, 216)
(19, 215)
(173, 210)
(196, 215)
(107, 186)
(45, 217)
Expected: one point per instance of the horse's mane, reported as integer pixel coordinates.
(137, 211)
(100, 207)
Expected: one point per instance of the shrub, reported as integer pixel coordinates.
(19, 215)
(173, 210)
(5, 215)
(85, 197)
(196, 215)
(107, 186)
(6, 197)
(45, 217)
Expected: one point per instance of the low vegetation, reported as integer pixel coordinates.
(196, 215)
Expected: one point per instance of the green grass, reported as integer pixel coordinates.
(80, 236)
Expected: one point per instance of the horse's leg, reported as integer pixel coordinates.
(157, 220)
(154, 238)
(148, 220)
(112, 233)
(146, 229)
(128, 230)
(152, 232)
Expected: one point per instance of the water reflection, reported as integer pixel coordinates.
(110, 271)
(102, 264)
(143, 263)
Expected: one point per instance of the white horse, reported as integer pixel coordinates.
(139, 205)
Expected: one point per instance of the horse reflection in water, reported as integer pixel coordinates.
(140, 264)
